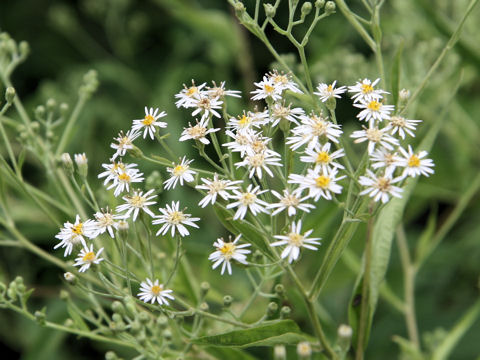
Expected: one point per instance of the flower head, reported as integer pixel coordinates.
(226, 251)
(248, 200)
(87, 257)
(186, 95)
(180, 172)
(216, 187)
(124, 142)
(149, 122)
(72, 234)
(290, 201)
(401, 125)
(198, 132)
(124, 179)
(374, 110)
(136, 202)
(328, 91)
(364, 91)
(294, 241)
(175, 219)
(319, 182)
(105, 221)
(380, 187)
(415, 164)
(151, 291)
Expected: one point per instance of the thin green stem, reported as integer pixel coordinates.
(70, 124)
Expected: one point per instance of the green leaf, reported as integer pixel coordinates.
(269, 334)
(395, 74)
(228, 353)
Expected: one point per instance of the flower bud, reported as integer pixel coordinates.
(162, 321)
(130, 306)
(69, 277)
(304, 350)
(319, 4)
(239, 8)
(330, 7)
(67, 164)
(110, 355)
(204, 287)
(35, 126)
(204, 306)
(135, 327)
(167, 334)
(40, 112)
(306, 8)
(331, 103)
(227, 301)
(143, 317)
(51, 104)
(117, 307)
(279, 352)
(9, 94)
(12, 291)
(3, 288)
(404, 95)
(123, 227)
(69, 323)
(257, 256)
(40, 317)
(82, 164)
(24, 49)
(272, 308)
(279, 289)
(269, 10)
(285, 312)
(64, 295)
(344, 333)
(64, 109)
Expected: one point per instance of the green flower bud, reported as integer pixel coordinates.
(40, 317)
(135, 327)
(40, 112)
(10, 94)
(319, 4)
(272, 308)
(64, 109)
(257, 256)
(51, 104)
(64, 295)
(330, 7)
(269, 10)
(204, 306)
(239, 8)
(117, 326)
(110, 355)
(12, 291)
(306, 8)
(167, 334)
(69, 323)
(135, 152)
(82, 164)
(227, 301)
(162, 321)
(24, 48)
(123, 227)
(204, 287)
(117, 307)
(67, 164)
(143, 317)
(331, 103)
(279, 289)
(90, 84)
(285, 312)
(344, 339)
(117, 317)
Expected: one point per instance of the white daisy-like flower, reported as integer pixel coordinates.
(185, 97)
(123, 180)
(149, 122)
(248, 120)
(248, 200)
(124, 143)
(380, 187)
(313, 129)
(113, 169)
(364, 91)
(327, 91)
(227, 251)
(259, 144)
(319, 182)
(258, 162)
(105, 221)
(281, 112)
(220, 91)
(154, 291)
(198, 132)
(374, 110)
(136, 202)
(321, 156)
(283, 81)
(72, 234)
(290, 201)
(180, 172)
(294, 241)
(415, 164)
(241, 141)
(174, 220)
(216, 187)
(267, 88)
(402, 125)
(375, 136)
(205, 105)
(87, 257)
(383, 158)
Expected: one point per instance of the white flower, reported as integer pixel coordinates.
(313, 128)
(219, 91)
(136, 202)
(113, 169)
(81, 159)
(123, 180)
(382, 158)
(320, 156)
(258, 162)
(380, 187)
(402, 125)
(249, 120)
(206, 106)
(198, 132)
(374, 110)
(227, 251)
(280, 112)
(415, 164)
(290, 201)
(364, 91)
(105, 221)
(248, 200)
(375, 136)
(294, 241)
(180, 172)
(72, 234)
(185, 97)
(124, 142)
(319, 182)
(242, 141)
(87, 257)
(283, 81)
(259, 144)
(214, 187)
(267, 88)
(151, 291)
(174, 219)
(149, 122)
(327, 91)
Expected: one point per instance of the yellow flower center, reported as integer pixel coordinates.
(78, 229)
(282, 79)
(323, 157)
(268, 89)
(176, 217)
(322, 181)
(149, 120)
(257, 160)
(248, 198)
(156, 289)
(290, 200)
(330, 88)
(319, 126)
(295, 239)
(137, 201)
(374, 135)
(228, 249)
(414, 161)
(124, 177)
(397, 121)
(197, 132)
(374, 105)
(383, 184)
(179, 170)
(204, 103)
(192, 90)
(367, 88)
(90, 256)
(244, 120)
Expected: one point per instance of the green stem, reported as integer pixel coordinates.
(70, 124)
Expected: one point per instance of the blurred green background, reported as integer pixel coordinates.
(144, 51)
